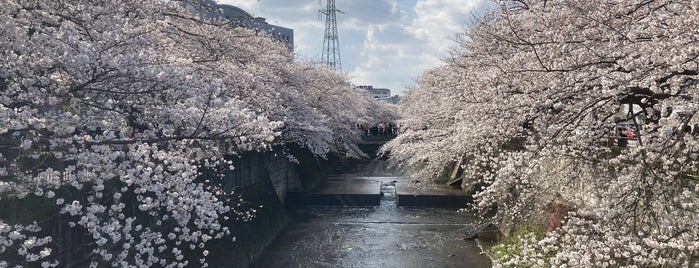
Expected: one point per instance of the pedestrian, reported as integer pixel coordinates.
(622, 141)
(98, 132)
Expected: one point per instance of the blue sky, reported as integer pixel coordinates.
(384, 43)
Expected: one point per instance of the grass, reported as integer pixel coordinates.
(512, 246)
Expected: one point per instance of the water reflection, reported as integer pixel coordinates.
(383, 236)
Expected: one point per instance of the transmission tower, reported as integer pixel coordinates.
(331, 44)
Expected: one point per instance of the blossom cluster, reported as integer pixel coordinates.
(530, 105)
(112, 111)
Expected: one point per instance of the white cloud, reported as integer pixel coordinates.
(438, 20)
(385, 43)
(246, 5)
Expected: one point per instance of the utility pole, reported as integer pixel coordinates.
(331, 43)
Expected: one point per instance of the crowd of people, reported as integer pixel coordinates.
(380, 129)
(128, 133)
(623, 134)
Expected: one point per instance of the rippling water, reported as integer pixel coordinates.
(382, 236)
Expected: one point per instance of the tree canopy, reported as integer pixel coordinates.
(530, 99)
(110, 110)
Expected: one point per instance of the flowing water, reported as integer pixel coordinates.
(381, 236)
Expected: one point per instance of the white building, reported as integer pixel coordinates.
(377, 93)
(242, 18)
(381, 94)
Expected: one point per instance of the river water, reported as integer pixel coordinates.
(381, 236)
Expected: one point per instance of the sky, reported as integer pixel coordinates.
(383, 43)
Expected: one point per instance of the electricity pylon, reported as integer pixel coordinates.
(331, 43)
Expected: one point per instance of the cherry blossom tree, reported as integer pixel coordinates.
(537, 89)
(128, 67)
(339, 106)
(111, 113)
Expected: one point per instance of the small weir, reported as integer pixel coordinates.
(388, 191)
(351, 191)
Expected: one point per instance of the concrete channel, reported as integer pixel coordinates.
(356, 220)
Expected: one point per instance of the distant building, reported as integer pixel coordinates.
(381, 94)
(377, 93)
(395, 99)
(242, 18)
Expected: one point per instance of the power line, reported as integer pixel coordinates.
(372, 8)
(363, 13)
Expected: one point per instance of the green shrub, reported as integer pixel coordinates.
(512, 246)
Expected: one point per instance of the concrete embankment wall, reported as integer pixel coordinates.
(263, 180)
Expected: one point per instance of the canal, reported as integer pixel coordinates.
(379, 236)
